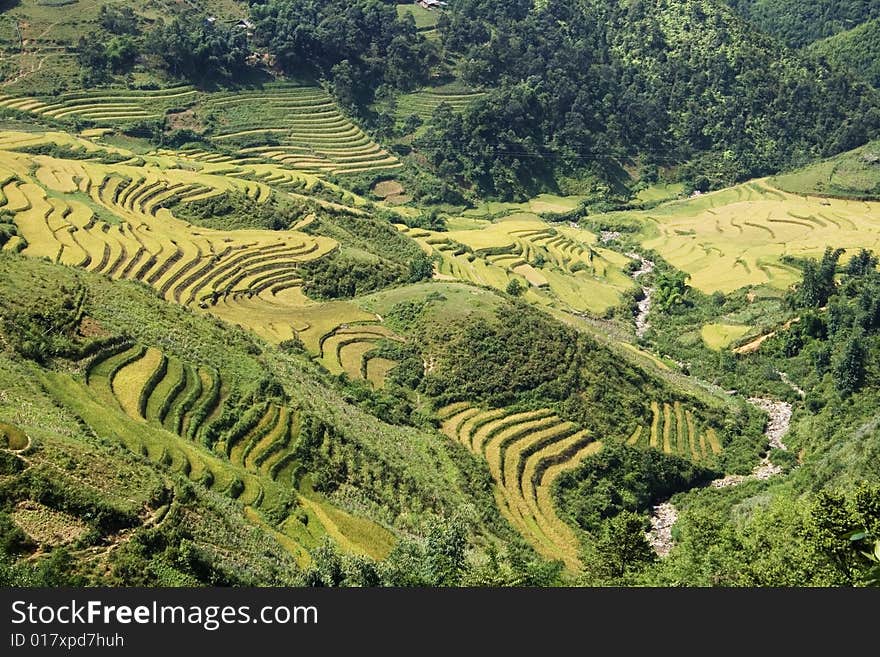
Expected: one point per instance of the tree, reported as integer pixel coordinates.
(92, 57)
(121, 20)
(345, 85)
(670, 289)
(514, 288)
(420, 268)
(121, 53)
(436, 560)
(818, 283)
(862, 263)
(194, 48)
(849, 368)
(411, 123)
(622, 546)
(844, 529)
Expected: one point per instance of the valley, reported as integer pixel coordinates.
(297, 296)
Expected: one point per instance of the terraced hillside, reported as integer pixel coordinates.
(526, 452)
(424, 103)
(177, 407)
(558, 264)
(55, 212)
(675, 430)
(110, 219)
(738, 237)
(105, 107)
(297, 126)
(349, 350)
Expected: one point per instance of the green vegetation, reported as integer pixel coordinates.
(799, 23)
(331, 38)
(620, 478)
(360, 294)
(528, 134)
(852, 175)
(857, 49)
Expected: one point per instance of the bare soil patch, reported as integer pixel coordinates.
(47, 526)
(387, 188)
(91, 328)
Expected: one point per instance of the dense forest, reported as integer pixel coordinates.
(575, 88)
(857, 49)
(358, 45)
(800, 23)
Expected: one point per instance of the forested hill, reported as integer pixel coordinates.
(574, 87)
(800, 23)
(568, 96)
(857, 49)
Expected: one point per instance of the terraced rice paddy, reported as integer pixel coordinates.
(348, 350)
(560, 265)
(110, 219)
(298, 126)
(252, 461)
(675, 430)
(425, 102)
(526, 452)
(737, 237)
(104, 107)
(305, 127)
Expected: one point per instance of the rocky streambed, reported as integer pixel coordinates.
(664, 515)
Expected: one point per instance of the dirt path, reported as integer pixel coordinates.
(664, 515)
(38, 52)
(791, 384)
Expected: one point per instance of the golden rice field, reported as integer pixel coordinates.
(104, 106)
(675, 430)
(110, 219)
(721, 336)
(253, 461)
(560, 265)
(348, 350)
(526, 453)
(296, 126)
(737, 237)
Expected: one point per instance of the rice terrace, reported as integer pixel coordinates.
(431, 294)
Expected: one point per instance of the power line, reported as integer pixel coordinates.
(589, 156)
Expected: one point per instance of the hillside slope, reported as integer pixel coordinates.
(574, 89)
(857, 49)
(801, 23)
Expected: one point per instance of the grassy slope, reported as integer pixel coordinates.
(855, 175)
(44, 64)
(132, 309)
(93, 477)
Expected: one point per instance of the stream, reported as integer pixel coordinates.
(665, 514)
(644, 307)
